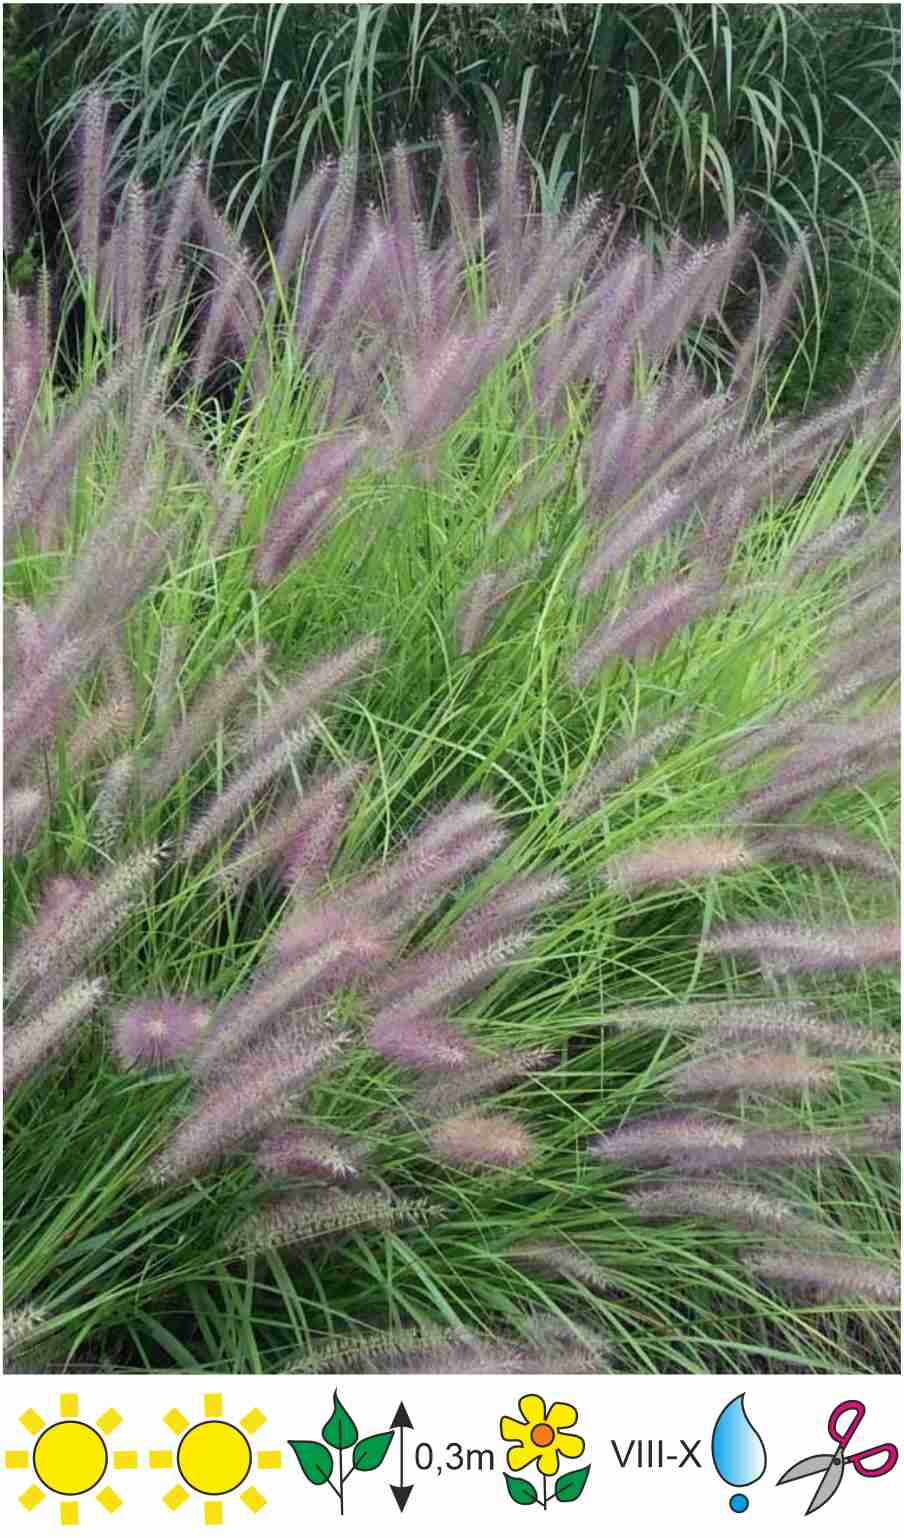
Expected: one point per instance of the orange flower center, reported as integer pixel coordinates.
(542, 1435)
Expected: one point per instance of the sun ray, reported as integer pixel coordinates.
(32, 1422)
(69, 1405)
(31, 1498)
(176, 1422)
(109, 1500)
(69, 1513)
(108, 1421)
(253, 1499)
(213, 1513)
(175, 1498)
(17, 1459)
(253, 1421)
(213, 1407)
(269, 1459)
(161, 1458)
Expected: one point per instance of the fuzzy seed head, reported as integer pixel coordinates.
(153, 1031)
(468, 1139)
(827, 1277)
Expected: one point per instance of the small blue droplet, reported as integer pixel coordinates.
(739, 1503)
(737, 1448)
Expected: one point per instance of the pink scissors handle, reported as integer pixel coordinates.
(885, 1467)
(843, 1437)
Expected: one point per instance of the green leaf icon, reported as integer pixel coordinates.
(521, 1491)
(315, 1459)
(340, 1430)
(569, 1486)
(371, 1451)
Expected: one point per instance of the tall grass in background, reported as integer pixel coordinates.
(686, 115)
(451, 800)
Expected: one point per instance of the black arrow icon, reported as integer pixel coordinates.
(401, 1491)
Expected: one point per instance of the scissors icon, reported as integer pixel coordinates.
(832, 1465)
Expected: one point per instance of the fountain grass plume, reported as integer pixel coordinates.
(484, 597)
(560, 1260)
(497, 915)
(548, 1346)
(738, 1206)
(333, 921)
(778, 1148)
(773, 1026)
(486, 1077)
(665, 508)
(110, 807)
(83, 926)
(41, 1036)
(791, 947)
(152, 1031)
(676, 860)
(303, 517)
(309, 855)
(456, 977)
(452, 844)
(714, 1015)
(798, 783)
(431, 1046)
(621, 767)
(472, 1138)
(306, 1151)
(299, 837)
(814, 708)
(646, 626)
(23, 811)
(820, 550)
(211, 709)
(33, 713)
(20, 1326)
(818, 846)
(258, 1091)
(94, 143)
(269, 996)
(233, 802)
(322, 1216)
(826, 1277)
(511, 902)
(23, 367)
(683, 1139)
(318, 681)
(761, 1072)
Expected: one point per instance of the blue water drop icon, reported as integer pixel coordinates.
(738, 1451)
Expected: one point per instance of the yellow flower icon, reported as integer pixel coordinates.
(542, 1434)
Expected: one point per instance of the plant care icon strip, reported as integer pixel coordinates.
(72, 1461)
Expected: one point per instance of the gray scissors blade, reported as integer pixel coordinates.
(829, 1483)
(807, 1466)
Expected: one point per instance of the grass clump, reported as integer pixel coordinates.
(394, 843)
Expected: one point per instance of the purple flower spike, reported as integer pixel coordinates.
(430, 1045)
(152, 1031)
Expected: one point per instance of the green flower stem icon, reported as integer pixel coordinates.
(340, 1432)
(544, 1440)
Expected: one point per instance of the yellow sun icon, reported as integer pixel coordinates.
(70, 1457)
(214, 1457)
